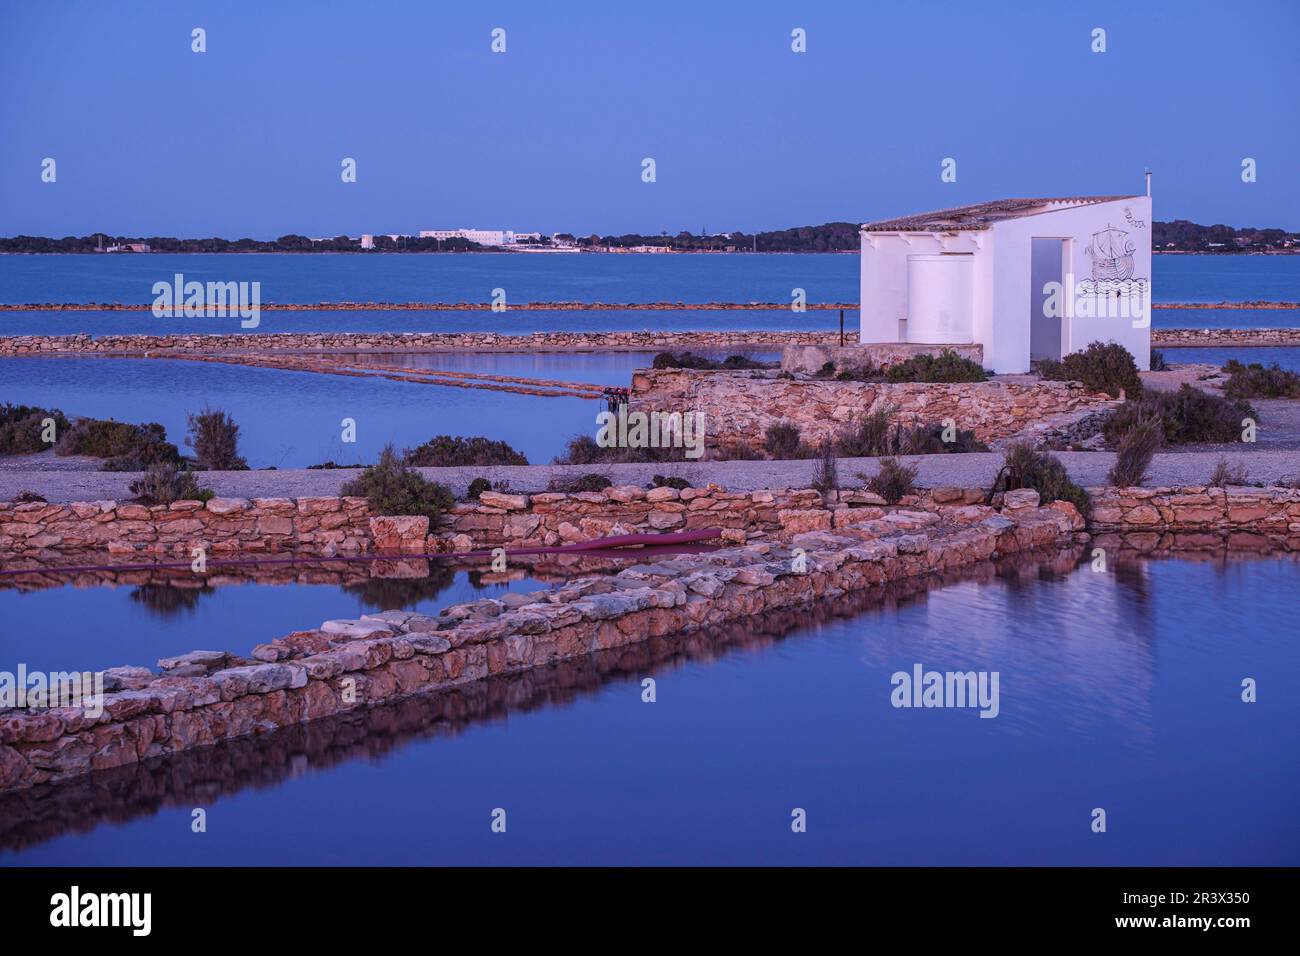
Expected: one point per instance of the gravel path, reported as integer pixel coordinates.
(974, 470)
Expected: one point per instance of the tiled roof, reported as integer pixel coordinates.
(981, 215)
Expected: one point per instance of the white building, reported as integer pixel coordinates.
(1023, 278)
(367, 241)
(484, 237)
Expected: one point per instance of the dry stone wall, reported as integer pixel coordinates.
(204, 697)
(739, 407)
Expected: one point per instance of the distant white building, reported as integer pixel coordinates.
(484, 237)
(367, 241)
(1023, 278)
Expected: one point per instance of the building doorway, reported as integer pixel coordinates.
(1046, 265)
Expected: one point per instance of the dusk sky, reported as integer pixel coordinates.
(247, 138)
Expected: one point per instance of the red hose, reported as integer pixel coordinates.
(612, 545)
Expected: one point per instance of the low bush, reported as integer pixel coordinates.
(164, 482)
(448, 451)
(826, 476)
(23, 431)
(892, 481)
(876, 436)
(1158, 363)
(477, 487)
(1226, 474)
(214, 436)
(737, 452)
(585, 450)
(1101, 367)
(690, 360)
(1026, 467)
(1256, 381)
(1189, 416)
(26, 497)
(1134, 451)
(782, 441)
(125, 447)
(392, 488)
(947, 366)
(332, 466)
(588, 482)
(670, 481)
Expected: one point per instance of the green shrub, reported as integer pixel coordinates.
(588, 482)
(872, 438)
(826, 475)
(1226, 474)
(737, 452)
(1189, 416)
(585, 450)
(29, 497)
(447, 451)
(22, 428)
(126, 447)
(782, 440)
(929, 440)
(391, 488)
(164, 482)
(671, 481)
(947, 366)
(892, 481)
(1256, 381)
(1026, 467)
(1134, 451)
(214, 436)
(690, 360)
(477, 487)
(1158, 363)
(876, 436)
(1101, 367)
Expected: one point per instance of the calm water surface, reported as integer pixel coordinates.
(471, 277)
(1117, 690)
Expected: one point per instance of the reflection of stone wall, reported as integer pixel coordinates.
(739, 407)
(205, 697)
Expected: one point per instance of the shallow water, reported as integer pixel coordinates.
(471, 277)
(294, 419)
(1118, 690)
(93, 627)
(516, 322)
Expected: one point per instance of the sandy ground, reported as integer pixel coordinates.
(1088, 468)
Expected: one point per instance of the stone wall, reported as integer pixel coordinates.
(204, 697)
(1196, 508)
(330, 526)
(318, 526)
(739, 407)
(82, 344)
(1174, 338)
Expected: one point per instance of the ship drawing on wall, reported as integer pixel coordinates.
(1111, 252)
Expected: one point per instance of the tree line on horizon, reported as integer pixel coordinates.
(1180, 235)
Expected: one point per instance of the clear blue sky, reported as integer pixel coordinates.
(246, 139)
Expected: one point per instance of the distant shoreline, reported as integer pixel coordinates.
(557, 306)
